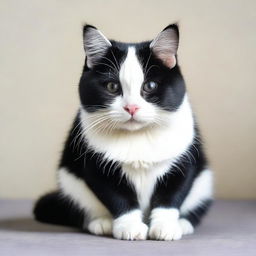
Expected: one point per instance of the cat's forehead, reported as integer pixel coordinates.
(125, 62)
(131, 73)
(123, 46)
(120, 50)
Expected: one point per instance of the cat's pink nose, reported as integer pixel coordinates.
(131, 109)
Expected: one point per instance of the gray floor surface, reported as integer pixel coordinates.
(229, 229)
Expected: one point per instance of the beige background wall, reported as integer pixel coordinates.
(41, 58)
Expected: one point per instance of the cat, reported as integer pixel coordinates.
(133, 165)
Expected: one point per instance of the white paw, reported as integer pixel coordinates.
(186, 227)
(165, 224)
(130, 231)
(165, 230)
(101, 226)
(130, 226)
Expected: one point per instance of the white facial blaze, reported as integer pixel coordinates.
(131, 77)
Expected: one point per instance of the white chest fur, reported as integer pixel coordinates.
(144, 178)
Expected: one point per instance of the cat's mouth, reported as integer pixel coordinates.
(133, 124)
(132, 120)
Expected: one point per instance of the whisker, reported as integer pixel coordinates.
(147, 62)
(118, 66)
(105, 64)
(112, 63)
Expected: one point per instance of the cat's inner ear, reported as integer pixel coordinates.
(95, 45)
(165, 45)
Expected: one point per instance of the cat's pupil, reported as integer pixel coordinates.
(112, 87)
(149, 86)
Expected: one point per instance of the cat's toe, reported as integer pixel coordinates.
(135, 231)
(101, 226)
(186, 226)
(165, 231)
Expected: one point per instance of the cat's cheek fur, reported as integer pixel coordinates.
(165, 224)
(130, 226)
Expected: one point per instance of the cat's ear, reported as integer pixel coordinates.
(165, 45)
(95, 44)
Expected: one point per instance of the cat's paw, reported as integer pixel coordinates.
(130, 227)
(130, 231)
(165, 224)
(186, 227)
(101, 226)
(165, 230)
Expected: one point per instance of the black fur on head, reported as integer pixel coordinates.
(158, 59)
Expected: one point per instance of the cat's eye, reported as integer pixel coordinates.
(149, 86)
(112, 87)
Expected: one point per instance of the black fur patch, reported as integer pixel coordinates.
(92, 87)
(54, 208)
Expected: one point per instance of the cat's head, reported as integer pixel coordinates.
(130, 86)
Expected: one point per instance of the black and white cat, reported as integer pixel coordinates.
(133, 165)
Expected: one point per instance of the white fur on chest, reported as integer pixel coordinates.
(143, 178)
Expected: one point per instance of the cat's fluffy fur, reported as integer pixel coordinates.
(134, 174)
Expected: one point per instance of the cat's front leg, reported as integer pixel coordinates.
(129, 226)
(119, 198)
(165, 222)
